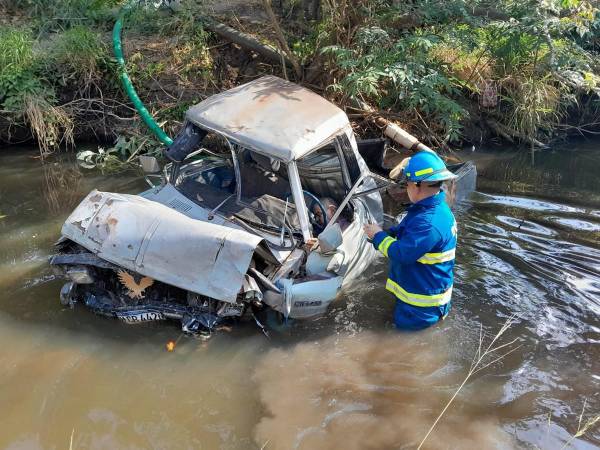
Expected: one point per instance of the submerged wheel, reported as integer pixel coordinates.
(67, 294)
(275, 321)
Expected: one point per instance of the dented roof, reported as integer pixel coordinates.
(273, 116)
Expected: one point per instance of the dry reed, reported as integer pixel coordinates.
(480, 362)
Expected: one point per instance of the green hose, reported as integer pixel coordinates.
(135, 99)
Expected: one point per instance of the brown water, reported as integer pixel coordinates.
(347, 380)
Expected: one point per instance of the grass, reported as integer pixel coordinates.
(79, 57)
(51, 125)
(17, 63)
(582, 430)
(47, 16)
(485, 356)
(25, 95)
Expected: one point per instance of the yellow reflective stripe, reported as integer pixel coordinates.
(385, 244)
(418, 173)
(436, 258)
(418, 299)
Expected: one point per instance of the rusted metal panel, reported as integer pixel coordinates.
(158, 242)
(272, 116)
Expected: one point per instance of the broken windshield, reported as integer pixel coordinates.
(265, 187)
(262, 197)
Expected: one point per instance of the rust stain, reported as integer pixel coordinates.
(110, 225)
(95, 198)
(79, 224)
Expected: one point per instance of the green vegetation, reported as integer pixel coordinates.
(121, 156)
(47, 16)
(450, 71)
(79, 56)
(24, 93)
(398, 74)
(58, 77)
(528, 66)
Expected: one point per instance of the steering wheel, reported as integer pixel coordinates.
(314, 200)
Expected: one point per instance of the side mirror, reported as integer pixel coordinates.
(331, 238)
(149, 164)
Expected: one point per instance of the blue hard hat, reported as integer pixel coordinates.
(428, 167)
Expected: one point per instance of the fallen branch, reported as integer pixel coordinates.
(510, 134)
(392, 130)
(281, 39)
(248, 42)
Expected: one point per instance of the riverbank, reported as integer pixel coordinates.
(468, 75)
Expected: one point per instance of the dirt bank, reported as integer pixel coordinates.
(66, 87)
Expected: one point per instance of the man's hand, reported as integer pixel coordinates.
(371, 230)
(311, 244)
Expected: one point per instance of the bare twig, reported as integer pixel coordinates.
(581, 431)
(477, 366)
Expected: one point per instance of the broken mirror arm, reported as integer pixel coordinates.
(380, 183)
(350, 194)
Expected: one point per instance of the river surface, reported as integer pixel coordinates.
(529, 249)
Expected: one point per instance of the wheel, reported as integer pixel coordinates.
(67, 294)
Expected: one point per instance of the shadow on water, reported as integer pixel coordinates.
(528, 247)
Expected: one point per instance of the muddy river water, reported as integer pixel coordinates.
(529, 248)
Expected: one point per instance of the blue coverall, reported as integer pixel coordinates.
(421, 252)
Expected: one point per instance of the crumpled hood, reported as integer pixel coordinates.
(161, 243)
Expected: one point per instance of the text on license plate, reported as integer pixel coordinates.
(141, 317)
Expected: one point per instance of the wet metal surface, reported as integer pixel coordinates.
(156, 241)
(346, 380)
(273, 116)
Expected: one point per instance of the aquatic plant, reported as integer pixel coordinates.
(121, 156)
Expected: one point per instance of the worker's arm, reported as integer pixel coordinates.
(415, 242)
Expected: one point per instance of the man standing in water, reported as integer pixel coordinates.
(421, 247)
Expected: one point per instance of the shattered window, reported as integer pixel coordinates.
(208, 176)
(321, 173)
(265, 187)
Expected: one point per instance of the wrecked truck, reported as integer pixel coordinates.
(227, 227)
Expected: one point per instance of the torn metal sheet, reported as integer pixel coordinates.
(158, 242)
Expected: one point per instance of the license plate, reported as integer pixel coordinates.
(141, 317)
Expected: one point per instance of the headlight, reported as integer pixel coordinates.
(79, 275)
